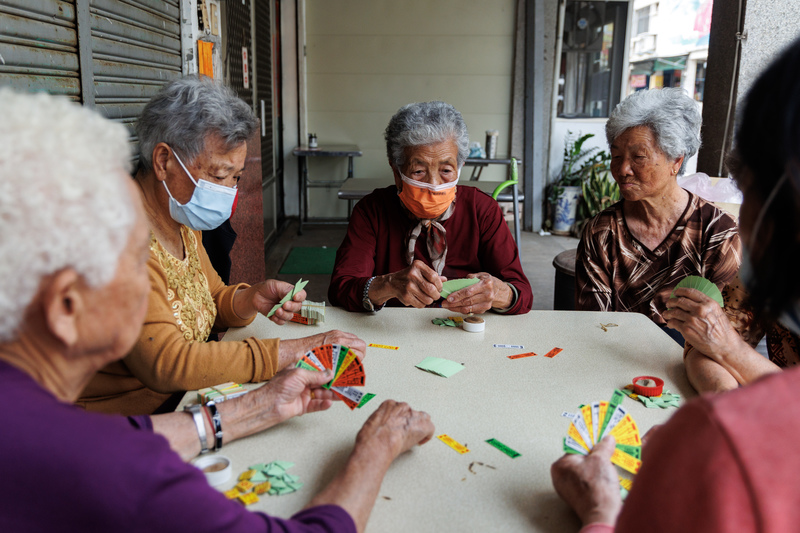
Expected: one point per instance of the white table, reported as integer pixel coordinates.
(518, 402)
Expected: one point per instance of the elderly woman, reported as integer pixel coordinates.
(405, 240)
(193, 142)
(726, 462)
(77, 247)
(633, 254)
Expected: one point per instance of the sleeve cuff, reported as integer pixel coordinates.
(514, 300)
(597, 527)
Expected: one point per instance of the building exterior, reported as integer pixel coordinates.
(669, 45)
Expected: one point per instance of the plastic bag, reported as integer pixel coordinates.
(724, 190)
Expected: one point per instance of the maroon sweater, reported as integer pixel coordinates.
(478, 240)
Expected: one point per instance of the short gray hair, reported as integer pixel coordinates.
(672, 116)
(425, 123)
(64, 202)
(185, 111)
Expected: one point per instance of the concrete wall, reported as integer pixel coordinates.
(367, 58)
(771, 25)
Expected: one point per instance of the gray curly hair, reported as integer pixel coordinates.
(185, 111)
(670, 113)
(424, 123)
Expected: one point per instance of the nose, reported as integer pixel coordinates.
(623, 167)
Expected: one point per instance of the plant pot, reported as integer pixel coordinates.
(565, 210)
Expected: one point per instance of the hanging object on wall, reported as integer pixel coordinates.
(203, 18)
(205, 62)
(214, 19)
(245, 69)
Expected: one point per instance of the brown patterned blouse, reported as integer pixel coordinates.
(615, 272)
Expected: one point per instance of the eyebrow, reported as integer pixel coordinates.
(224, 167)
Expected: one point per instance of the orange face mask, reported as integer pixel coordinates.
(426, 201)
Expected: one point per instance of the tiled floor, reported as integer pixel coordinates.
(537, 254)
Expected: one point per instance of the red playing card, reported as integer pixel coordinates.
(325, 354)
(353, 375)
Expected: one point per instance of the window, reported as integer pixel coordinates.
(591, 58)
(643, 20)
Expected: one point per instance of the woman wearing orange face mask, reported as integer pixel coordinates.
(406, 239)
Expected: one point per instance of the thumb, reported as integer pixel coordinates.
(313, 379)
(605, 448)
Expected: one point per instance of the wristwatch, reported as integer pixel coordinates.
(365, 301)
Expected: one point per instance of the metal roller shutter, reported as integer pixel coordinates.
(39, 46)
(136, 48)
(110, 54)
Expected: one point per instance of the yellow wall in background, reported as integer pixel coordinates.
(367, 58)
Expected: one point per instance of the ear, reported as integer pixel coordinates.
(676, 165)
(62, 303)
(161, 154)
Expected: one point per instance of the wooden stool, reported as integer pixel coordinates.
(564, 292)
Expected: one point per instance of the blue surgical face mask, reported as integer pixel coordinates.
(209, 206)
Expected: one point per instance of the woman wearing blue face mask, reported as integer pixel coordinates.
(193, 143)
(726, 462)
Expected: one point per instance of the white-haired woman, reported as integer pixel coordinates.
(75, 250)
(405, 240)
(193, 143)
(632, 255)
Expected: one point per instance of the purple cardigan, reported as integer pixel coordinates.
(66, 470)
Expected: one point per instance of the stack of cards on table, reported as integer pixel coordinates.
(599, 419)
(348, 371)
(311, 313)
(220, 393)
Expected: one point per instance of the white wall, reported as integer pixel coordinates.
(577, 127)
(367, 58)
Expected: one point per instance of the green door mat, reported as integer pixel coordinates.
(309, 260)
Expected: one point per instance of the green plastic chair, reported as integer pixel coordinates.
(513, 181)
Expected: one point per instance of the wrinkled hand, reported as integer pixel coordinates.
(289, 393)
(395, 428)
(588, 483)
(297, 391)
(702, 322)
(291, 350)
(268, 293)
(487, 293)
(417, 285)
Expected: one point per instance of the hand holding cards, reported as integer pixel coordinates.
(348, 370)
(599, 419)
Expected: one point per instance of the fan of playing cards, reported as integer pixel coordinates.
(599, 419)
(348, 371)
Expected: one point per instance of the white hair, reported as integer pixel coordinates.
(670, 113)
(63, 198)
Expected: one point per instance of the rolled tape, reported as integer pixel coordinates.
(648, 385)
(217, 468)
(473, 324)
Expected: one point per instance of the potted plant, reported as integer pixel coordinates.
(599, 190)
(565, 191)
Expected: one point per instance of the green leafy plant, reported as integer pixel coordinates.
(576, 164)
(599, 190)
